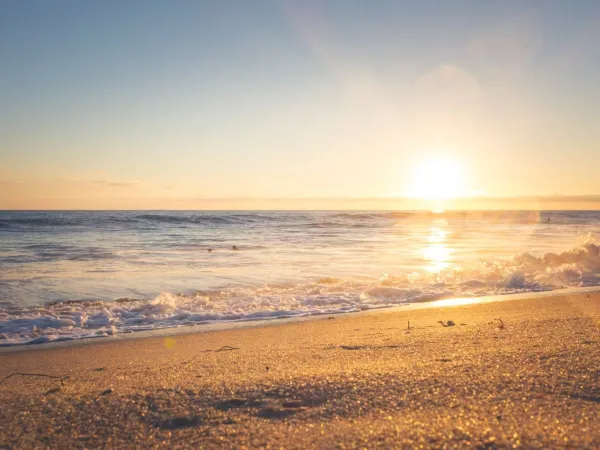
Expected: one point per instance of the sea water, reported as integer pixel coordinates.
(72, 275)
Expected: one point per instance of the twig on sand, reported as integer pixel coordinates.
(62, 378)
(226, 348)
(501, 326)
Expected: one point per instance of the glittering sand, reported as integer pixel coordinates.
(355, 381)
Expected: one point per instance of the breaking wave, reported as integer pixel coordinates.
(68, 320)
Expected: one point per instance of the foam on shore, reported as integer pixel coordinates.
(72, 319)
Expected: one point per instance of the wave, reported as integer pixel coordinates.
(380, 215)
(524, 217)
(73, 319)
(36, 221)
(96, 219)
(56, 252)
(173, 219)
(31, 221)
(311, 225)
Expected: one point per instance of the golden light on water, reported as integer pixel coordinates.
(437, 252)
(438, 178)
(437, 255)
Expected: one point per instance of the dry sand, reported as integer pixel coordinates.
(358, 381)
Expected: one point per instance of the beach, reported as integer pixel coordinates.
(299, 225)
(506, 374)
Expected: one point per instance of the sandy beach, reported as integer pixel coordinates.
(361, 380)
(299, 224)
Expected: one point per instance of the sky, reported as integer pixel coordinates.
(298, 104)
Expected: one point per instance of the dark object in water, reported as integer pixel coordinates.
(209, 250)
(235, 247)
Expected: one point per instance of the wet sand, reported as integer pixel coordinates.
(359, 380)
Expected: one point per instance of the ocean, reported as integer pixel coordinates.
(81, 274)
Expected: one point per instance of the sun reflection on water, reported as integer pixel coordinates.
(437, 253)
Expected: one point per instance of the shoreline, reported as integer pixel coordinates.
(360, 380)
(257, 323)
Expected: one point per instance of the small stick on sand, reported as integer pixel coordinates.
(226, 348)
(62, 383)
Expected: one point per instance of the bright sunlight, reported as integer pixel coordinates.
(438, 178)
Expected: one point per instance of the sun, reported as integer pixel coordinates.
(438, 178)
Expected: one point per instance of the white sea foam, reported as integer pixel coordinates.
(69, 320)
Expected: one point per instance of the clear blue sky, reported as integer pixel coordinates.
(171, 103)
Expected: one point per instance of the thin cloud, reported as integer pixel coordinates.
(102, 182)
(112, 183)
(558, 198)
(588, 198)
